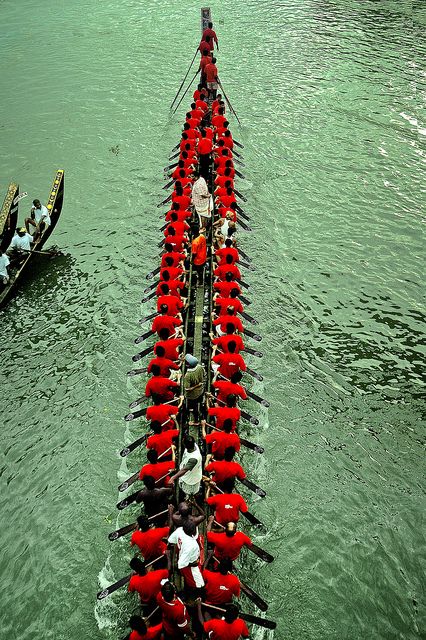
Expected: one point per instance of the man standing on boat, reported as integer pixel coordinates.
(193, 384)
(199, 255)
(190, 469)
(212, 35)
(201, 199)
(185, 538)
(212, 78)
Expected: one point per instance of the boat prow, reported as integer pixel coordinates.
(54, 206)
(9, 216)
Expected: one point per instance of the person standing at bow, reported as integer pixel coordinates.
(193, 384)
(199, 255)
(201, 199)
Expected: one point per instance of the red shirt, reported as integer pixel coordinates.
(205, 45)
(222, 470)
(175, 255)
(220, 181)
(226, 201)
(220, 272)
(150, 542)
(227, 507)
(204, 146)
(175, 615)
(211, 33)
(174, 272)
(229, 363)
(220, 440)
(225, 303)
(228, 547)
(226, 388)
(199, 250)
(225, 413)
(165, 365)
(175, 287)
(222, 321)
(176, 173)
(149, 585)
(161, 387)
(183, 201)
(211, 72)
(205, 60)
(220, 161)
(182, 216)
(220, 588)
(153, 633)
(171, 347)
(227, 251)
(179, 227)
(218, 629)
(225, 288)
(160, 442)
(174, 304)
(221, 171)
(222, 342)
(157, 470)
(229, 143)
(162, 413)
(197, 113)
(201, 104)
(165, 322)
(187, 145)
(218, 120)
(177, 242)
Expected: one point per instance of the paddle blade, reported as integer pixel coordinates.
(125, 485)
(260, 553)
(254, 597)
(250, 418)
(261, 622)
(252, 519)
(127, 501)
(113, 587)
(253, 487)
(114, 535)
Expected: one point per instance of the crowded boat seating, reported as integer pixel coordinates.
(190, 499)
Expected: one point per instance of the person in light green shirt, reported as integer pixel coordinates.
(193, 384)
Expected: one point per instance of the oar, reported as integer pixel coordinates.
(186, 91)
(136, 372)
(246, 443)
(168, 185)
(148, 297)
(258, 399)
(244, 300)
(243, 284)
(137, 402)
(246, 265)
(238, 144)
(183, 81)
(150, 317)
(171, 166)
(253, 352)
(250, 419)
(253, 487)
(239, 155)
(175, 155)
(243, 215)
(254, 597)
(150, 287)
(249, 516)
(120, 583)
(245, 256)
(240, 195)
(141, 354)
(114, 535)
(160, 244)
(125, 485)
(151, 274)
(251, 373)
(256, 337)
(248, 617)
(242, 224)
(169, 197)
(130, 499)
(136, 414)
(239, 161)
(134, 445)
(227, 101)
(239, 174)
(144, 336)
(248, 317)
(264, 555)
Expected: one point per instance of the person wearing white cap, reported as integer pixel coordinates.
(193, 384)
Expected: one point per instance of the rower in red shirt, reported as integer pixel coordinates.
(175, 616)
(225, 469)
(178, 242)
(171, 273)
(228, 412)
(159, 387)
(162, 441)
(220, 170)
(176, 257)
(150, 541)
(183, 200)
(164, 414)
(221, 323)
(230, 387)
(219, 119)
(228, 544)
(228, 364)
(202, 104)
(227, 250)
(147, 584)
(171, 345)
(141, 632)
(226, 200)
(227, 505)
(174, 304)
(165, 364)
(221, 585)
(221, 440)
(180, 227)
(230, 627)
(224, 287)
(187, 144)
(212, 35)
(182, 216)
(174, 288)
(195, 112)
(222, 342)
(198, 91)
(228, 267)
(224, 180)
(165, 321)
(206, 59)
(206, 43)
(181, 167)
(157, 470)
(204, 145)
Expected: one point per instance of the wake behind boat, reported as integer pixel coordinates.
(20, 262)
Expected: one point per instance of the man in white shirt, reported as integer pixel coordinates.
(4, 263)
(201, 199)
(21, 241)
(39, 217)
(185, 538)
(190, 467)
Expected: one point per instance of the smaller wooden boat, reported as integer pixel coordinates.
(9, 216)
(54, 206)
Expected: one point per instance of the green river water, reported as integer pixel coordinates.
(330, 96)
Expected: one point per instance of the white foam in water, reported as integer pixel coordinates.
(105, 610)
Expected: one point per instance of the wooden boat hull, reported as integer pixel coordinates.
(54, 205)
(9, 216)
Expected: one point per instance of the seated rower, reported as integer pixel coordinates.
(175, 304)
(229, 411)
(182, 199)
(222, 342)
(221, 585)
(149, 540)
(177, 241)
(141, 632)
(39, 218)
(154, 499)
(227, 505)
(4, 263)
(175, 616)
(230, 317)
(196, 112)
(166, 365)
(230, 626)
(227, 267)
(165, 414)
(180, 226)
(222, 184)
(226, 364)
(21, 242)
(225, 200)
(146, 583)
(172, 323)
(227, 250)
(222, 470)
(172, 346)
(162, 441)
(227, 139)
(172, 258)
(222, 305)
(221, 168)
(221, 440)
(160, 388)
(223, 288)
(230, 387)
(227, 545)
(155, 468)
(198, 91)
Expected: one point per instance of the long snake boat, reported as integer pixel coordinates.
(9, 216)
(54, 206)
(203, 592)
